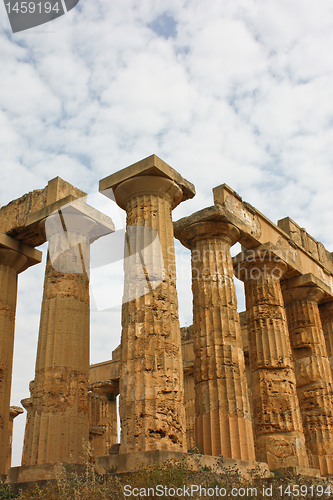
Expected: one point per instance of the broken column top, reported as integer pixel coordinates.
(152, 165)
(14, 411)
(15, 218)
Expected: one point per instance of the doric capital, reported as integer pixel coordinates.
(205, 224)
(18, 255)
(14, 411)
(188, 235)
(27, 403)
(304, 287)
(75, 217)
(147, 185)
(13, 259)
(257, 262)
(308, 293)
(56, 226)
(152, 166)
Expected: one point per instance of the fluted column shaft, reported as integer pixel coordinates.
(223, 420)
(313, 373)
(58, 418)
(277, 420)
(326, 316)
(11, 263)
(151, 383)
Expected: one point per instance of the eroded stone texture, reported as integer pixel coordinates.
(14, 217)
(58, 418)
(151, 383)
(313, 373)
(223, 421)
(27, 442)
(277, 420)
(102, 412)
(189, 392)
(11, 263)
(326, 316)
(245, 342)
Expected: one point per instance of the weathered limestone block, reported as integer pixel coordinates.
(189, 392)
(102, 412)
(58, 423)
(12, 263)
(27, 443)
(223, 420)
(14, 215)
(17, 219)
(277, 420)
(313, 372)
(326, 316)
(151, 383)
(248, 372)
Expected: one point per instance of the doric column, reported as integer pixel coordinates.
(189, 391)
(28, 406)
(326, 316)
(13, 413)
(58, 425)
(102, 411)
(12, 262)
(313, 372)
(151, 383)
(277, 420)
(223, 421)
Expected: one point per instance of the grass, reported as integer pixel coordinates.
(171, 475)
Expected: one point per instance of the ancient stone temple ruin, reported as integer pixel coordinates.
(254, 387)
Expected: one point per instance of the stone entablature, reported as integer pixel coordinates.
(256, 229)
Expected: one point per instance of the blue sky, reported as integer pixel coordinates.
(238, 91)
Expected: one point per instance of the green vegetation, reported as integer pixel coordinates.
(161, 481)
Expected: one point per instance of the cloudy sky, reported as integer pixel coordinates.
(234, 91)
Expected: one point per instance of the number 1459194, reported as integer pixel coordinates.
(32, 7)
(296, 490)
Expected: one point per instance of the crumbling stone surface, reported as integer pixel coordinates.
(189, 403)
(13, 216)
(313, 373)
(102, 413)
(58, 415)
(223, 420)
(326, 316)
(186, 333)
(277, 420)
(151, 383)
(189, 391)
